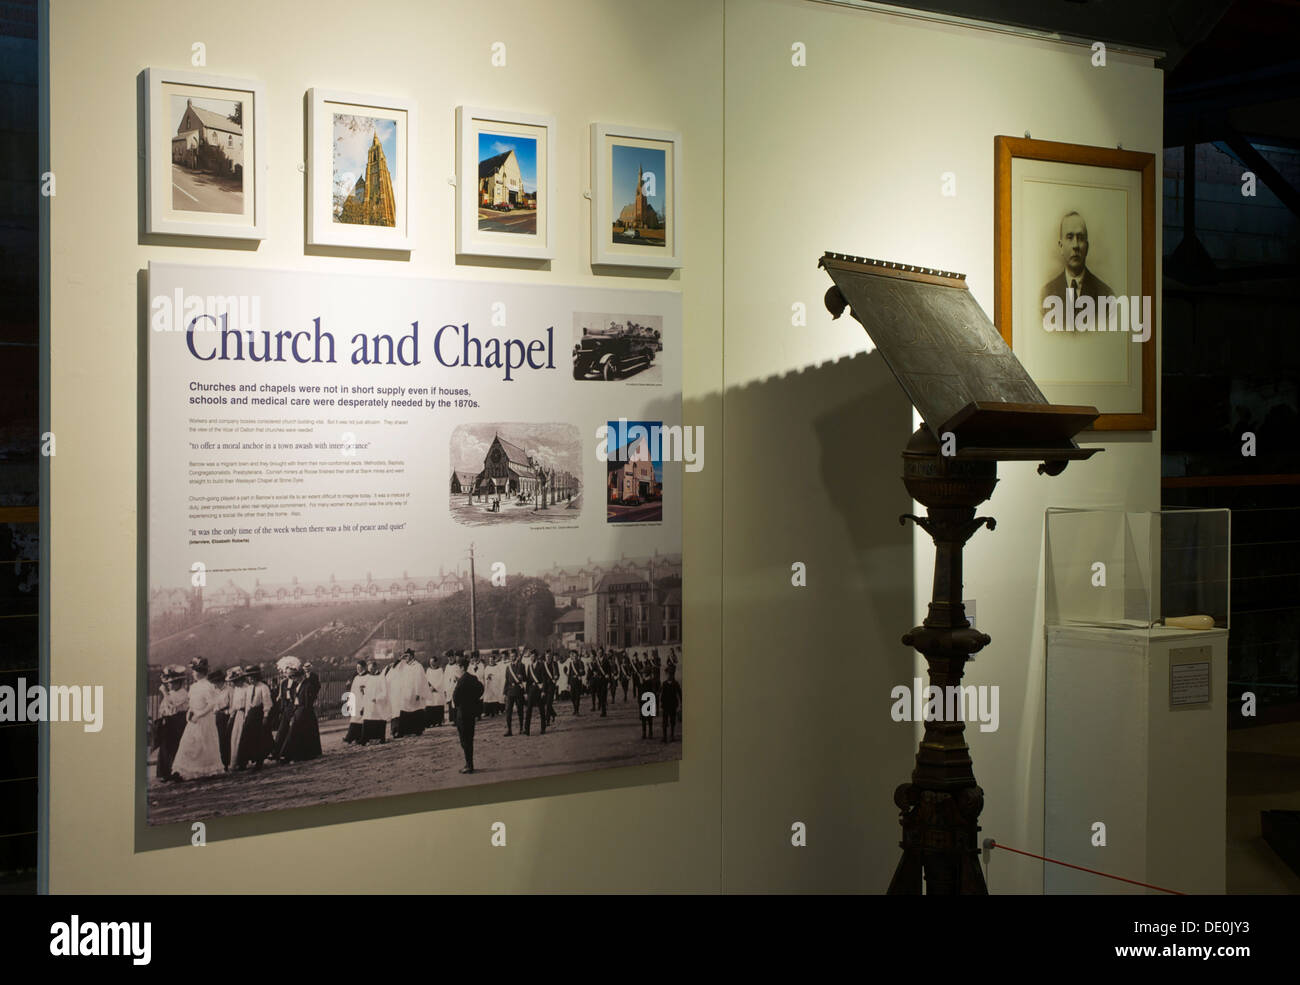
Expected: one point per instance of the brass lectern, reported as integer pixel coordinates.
(979, 407)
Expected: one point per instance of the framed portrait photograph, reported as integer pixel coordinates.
(505, 184)
(634, 193)
(361, 159)
(1075, 274)
(204, 155)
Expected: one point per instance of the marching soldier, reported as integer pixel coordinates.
(642, 682)
(553, 685)
(600, 681)
(625, 672)
(514, 689)
(670, 700)
(573, 670)
(538, 683)
(589, 675)
(609, 666)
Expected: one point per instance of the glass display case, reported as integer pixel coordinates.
(1137, 571)
(1136, 702)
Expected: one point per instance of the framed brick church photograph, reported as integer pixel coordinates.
(360, 160)
(634, 196)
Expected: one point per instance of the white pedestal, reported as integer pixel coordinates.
(1122, 751)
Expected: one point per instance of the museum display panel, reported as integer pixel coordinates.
(455, 406)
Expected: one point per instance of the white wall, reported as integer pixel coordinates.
(846, 154)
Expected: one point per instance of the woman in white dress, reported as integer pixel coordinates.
(199, 753)
(240, 692)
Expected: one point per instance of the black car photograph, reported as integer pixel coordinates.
(613, 350)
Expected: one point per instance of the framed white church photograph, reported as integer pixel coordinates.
(505, 184)
(360, 163)
(634, 197)
(204, 160)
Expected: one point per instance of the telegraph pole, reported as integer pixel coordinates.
(473, 622)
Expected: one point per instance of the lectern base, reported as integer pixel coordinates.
(940, 835)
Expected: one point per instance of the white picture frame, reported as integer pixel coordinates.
(338, 123)
(633, 244)
(204, 174)
(498, 223)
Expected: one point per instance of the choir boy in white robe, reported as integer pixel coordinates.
(450, 675)
(434, 703)
(492, 679)
(394, 686)
(410, 707)
(375, 715)
(356, 721)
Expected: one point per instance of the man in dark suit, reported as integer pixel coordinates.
(514, 689)
(468, 699)
(670, 700)
(539, 682)
(643, 688)
(553, 672)
(573, 671)
(598, 683)
(1076, 281)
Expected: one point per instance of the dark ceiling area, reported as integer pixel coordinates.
(1171, 26)
(1242, 79)
(1232, 68)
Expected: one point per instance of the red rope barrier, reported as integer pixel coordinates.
(1081, 868)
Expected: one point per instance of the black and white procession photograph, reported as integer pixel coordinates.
(274, 696)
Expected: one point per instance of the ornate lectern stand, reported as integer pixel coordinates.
(979, 407)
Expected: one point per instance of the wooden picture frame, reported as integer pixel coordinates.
(614, 190)
(205, 173)
(338, 124)
(1036, 185)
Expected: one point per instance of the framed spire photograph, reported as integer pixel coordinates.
(635, 221)
(360, 160)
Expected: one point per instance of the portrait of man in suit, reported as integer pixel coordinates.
(1075, 281)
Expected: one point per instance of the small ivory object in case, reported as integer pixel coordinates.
(1190, 622)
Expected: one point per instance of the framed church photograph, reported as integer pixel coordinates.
(1075, 274)
(204, 160)
(505, 184)
(361, 160)
(634, 197)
